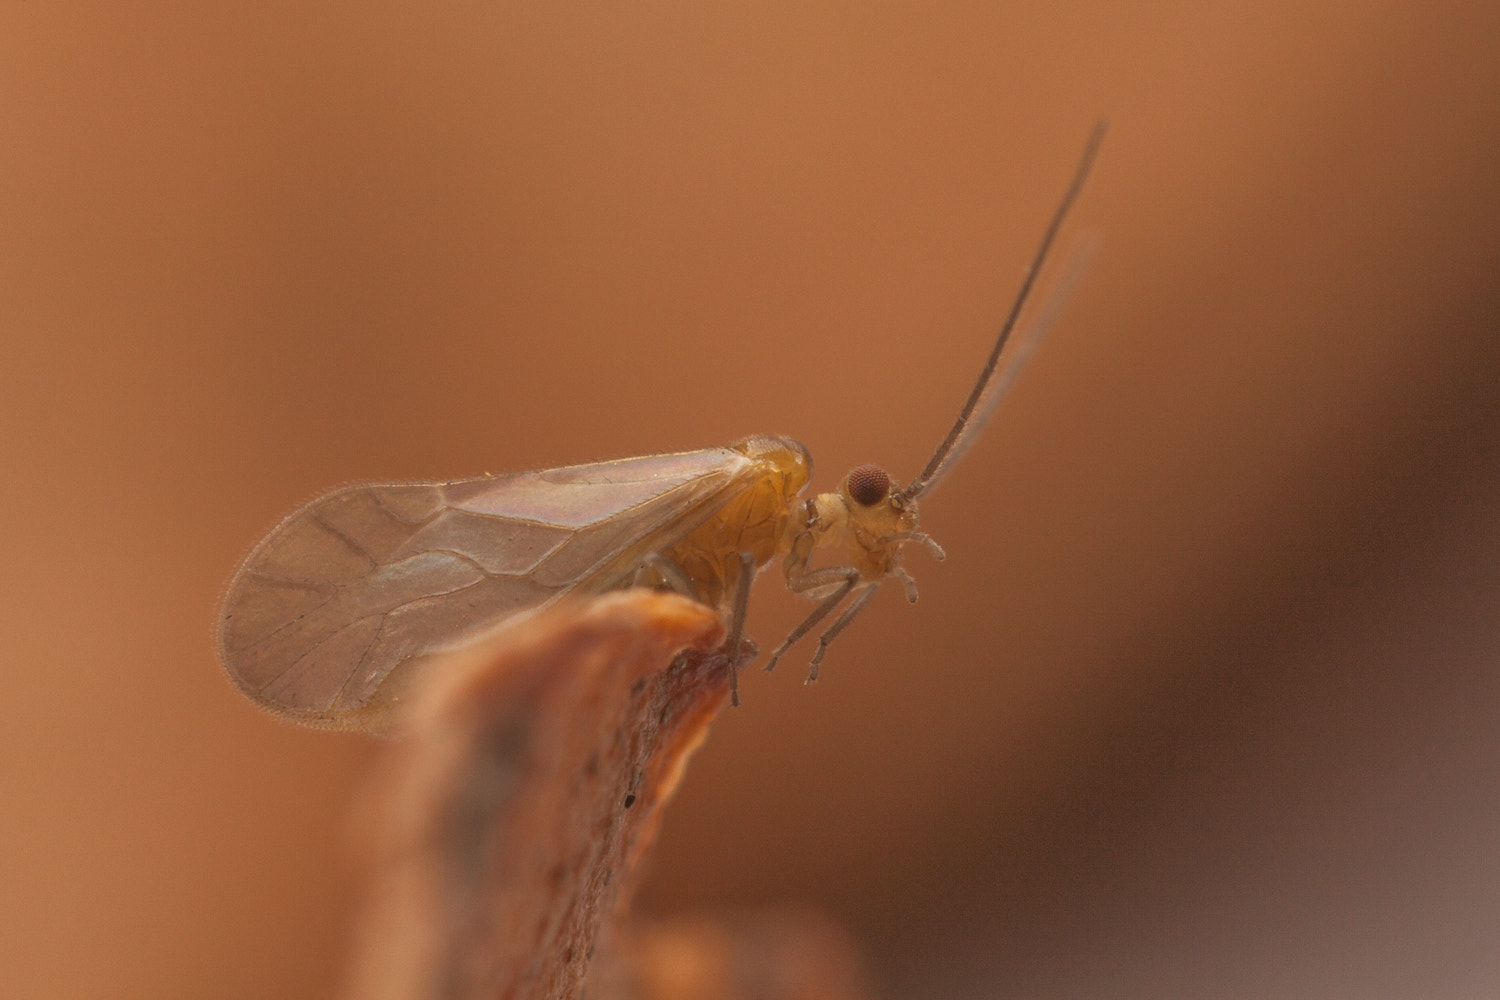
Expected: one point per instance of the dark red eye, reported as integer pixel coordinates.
(868, 485)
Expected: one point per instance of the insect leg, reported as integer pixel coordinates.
(671, 574)
(737, 623)
(933, 548)
(845, 576)
(839, 624)
(911, 585)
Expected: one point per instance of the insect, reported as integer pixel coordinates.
(338, 608)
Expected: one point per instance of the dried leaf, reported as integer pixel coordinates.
(526, 791)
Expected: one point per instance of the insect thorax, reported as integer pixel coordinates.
(752, 520)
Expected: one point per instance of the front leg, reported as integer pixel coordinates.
(860, 602)
(846, 577)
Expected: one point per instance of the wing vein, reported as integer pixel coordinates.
(353, 545)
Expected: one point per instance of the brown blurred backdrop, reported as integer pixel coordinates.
(1205, 701)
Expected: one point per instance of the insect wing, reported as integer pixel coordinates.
(325, 620)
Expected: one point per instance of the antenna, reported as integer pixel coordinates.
(965, 426)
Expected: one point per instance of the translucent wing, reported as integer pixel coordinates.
(325, 620)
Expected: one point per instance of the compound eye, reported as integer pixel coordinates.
(868, 485)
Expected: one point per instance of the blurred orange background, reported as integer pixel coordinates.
(1205, 700)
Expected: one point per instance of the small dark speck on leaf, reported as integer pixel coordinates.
(629, 801)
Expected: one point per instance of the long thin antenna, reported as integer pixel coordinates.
(961, 425)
